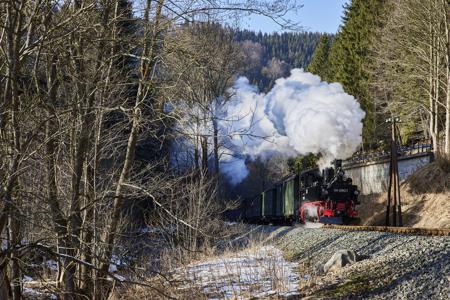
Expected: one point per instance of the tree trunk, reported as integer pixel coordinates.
(5, 287)
(16, 277)
(447, 74)
(145, 82)
(216, 148)
(204, 140)
(196, 154)
(436, 101)
(51, 129)
(87, 272)
(14, 20)
(432, 91)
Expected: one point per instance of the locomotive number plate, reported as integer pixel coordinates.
(340, 190)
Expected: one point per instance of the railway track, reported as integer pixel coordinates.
(398, 230)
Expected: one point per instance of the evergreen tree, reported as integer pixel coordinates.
(320, 59)
(303, 162)
(350, 60)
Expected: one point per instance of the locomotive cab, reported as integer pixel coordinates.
(310, 185)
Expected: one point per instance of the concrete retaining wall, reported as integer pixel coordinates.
(374, 177)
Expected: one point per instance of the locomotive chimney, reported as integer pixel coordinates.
(328, 174)
(338, 164)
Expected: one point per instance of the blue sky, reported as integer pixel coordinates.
(316, 15)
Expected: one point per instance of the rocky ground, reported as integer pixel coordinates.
(389, 266)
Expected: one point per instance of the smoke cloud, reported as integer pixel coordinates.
(300, 115)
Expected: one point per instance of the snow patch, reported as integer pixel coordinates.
(112, 268)
(30, 292)
(312, 225)
(256, 272)
(52, 265)
(116, 277)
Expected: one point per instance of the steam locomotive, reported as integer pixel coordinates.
(327, 197)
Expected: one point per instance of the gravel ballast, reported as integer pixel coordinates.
(389, 266)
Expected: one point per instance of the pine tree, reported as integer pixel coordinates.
(350, 59)
(319, 63)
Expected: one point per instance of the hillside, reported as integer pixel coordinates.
(270, 56)
(294, 48)
(424, 197)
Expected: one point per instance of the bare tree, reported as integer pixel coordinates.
(412, 76)
(208, 64)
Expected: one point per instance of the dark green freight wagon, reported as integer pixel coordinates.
(279, 202)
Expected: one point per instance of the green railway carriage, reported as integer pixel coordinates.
(290, 197)
(280, 204)
(268, 204)
(253, 208)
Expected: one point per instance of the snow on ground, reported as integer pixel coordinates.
(256, 272)
(52, 265)
(312, 225)
(31, 293)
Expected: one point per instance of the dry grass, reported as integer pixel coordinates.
(443, 161)
(425, 197)
(432, 178)
(426, 210)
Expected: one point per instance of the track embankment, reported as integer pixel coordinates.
(392, 262)
(398, 230)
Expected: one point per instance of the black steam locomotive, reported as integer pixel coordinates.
(312, 196)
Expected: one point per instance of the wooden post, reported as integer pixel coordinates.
(397, 177)
(388, 207)
(394, 171)
(394, 179)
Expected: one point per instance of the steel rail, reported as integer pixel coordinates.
(397, 230)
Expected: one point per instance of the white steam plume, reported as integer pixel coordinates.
(300, 115)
